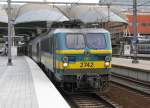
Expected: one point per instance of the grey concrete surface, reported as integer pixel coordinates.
(16, 85)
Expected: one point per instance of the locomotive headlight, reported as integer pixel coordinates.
(65, 64)
(107, 64)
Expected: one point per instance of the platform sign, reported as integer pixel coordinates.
(127, 49)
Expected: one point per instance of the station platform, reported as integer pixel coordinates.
(139, 71)
(124, 62)
(24, 85)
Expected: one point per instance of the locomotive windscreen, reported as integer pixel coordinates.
(75, 41)
(96, 40)
(90, 40)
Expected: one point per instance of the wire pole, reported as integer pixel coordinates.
(9, 33)
(135, 32)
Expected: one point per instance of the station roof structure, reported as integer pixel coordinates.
(3, 22)
(87, 14)
(32, 19)
(90, 14)
(3, 16)
(43, 12)
(39, 12)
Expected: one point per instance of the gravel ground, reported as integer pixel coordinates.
(128, 98)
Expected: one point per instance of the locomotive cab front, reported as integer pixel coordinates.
(83, 54)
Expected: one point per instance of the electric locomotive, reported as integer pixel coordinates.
(75, 56)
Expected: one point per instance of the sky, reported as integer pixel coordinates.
(82, 1)
(62, 0)
(90, 1)
(139, 2)
(87, 1)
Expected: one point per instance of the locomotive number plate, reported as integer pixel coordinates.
(86, 64)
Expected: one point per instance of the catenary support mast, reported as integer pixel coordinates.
(9, 33)
(135, 32)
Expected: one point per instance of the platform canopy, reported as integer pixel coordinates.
(3, 22)
(39, 12)
(3, 16)
(90, 14)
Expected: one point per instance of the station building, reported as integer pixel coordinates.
(143, 20)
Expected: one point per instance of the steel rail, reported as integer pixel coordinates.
(81, 99)
(84, 100)
(139, 56)
(132, 83)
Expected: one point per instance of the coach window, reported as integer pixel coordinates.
(144, 24)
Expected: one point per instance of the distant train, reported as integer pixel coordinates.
(75, 57)
(142, 42)
(143, 48)
(143, 45)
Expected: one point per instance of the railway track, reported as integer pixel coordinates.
(90, 100)
(82, 99)
(127, 97)
(138, 85)
(139, 56)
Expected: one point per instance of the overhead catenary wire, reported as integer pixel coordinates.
(37, 2)
(146, 3)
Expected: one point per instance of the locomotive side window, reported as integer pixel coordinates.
(75, 41)
(56, 43)
(42, 45)
(46, 45)
(50, 48)
(96, 40)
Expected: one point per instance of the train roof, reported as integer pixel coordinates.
(81, 30)
(69, 30)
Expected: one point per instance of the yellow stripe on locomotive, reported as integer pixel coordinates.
(86, 63)
(82, 51)
(83, 65)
